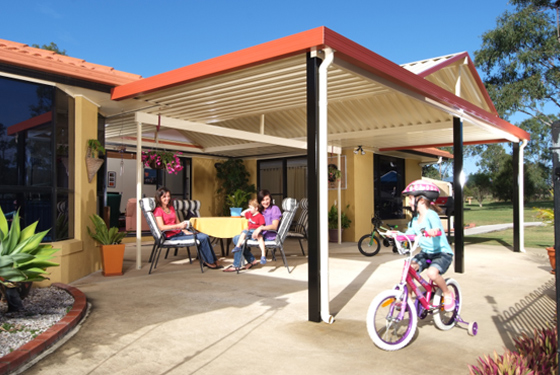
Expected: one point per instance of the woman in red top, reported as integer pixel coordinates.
(167, 220)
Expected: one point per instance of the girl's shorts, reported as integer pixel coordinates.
(441, 261)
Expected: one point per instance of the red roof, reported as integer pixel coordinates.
(22, 55)
(303, 42)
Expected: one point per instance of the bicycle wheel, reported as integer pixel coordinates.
(388, 326)
(446, 320)
(368, 245)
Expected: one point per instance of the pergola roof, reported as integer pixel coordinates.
(253, 102)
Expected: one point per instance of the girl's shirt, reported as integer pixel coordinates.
(168, 219)
(431, 245)
(270, 214)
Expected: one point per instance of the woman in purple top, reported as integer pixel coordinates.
(272, 216)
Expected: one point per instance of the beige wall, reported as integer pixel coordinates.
(205, 184)
(80, 256)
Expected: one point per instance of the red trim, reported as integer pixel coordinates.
(472, 69)
(345, 48)
(276, 49)
(169, 143)
(30, 123)
(441, 145)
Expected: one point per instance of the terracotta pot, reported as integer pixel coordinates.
(112, 257)
(552, 258)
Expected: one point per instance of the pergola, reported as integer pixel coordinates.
(312, 93)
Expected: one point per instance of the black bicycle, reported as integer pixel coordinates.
(369, 244)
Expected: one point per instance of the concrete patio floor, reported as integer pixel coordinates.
(180, 321)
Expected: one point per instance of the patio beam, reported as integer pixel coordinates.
(458, 181)
(197, 127)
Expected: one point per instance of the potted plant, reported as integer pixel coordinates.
(232, 175)
(23, 259)
(547, 214)
(93, 163)
(237, 201)
(158, 159)
(112, 250)
(333, 222)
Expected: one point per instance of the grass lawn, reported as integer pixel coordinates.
(502, 213)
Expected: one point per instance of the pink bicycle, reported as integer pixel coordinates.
(393, 315)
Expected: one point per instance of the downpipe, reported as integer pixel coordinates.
(323, 188)
(521, 184)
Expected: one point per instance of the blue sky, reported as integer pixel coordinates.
(151, 37)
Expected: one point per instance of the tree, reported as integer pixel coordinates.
(480, 186)
(520, 59)
(51, 47)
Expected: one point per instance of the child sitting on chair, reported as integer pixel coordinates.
(256, 219)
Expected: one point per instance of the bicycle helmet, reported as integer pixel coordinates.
(423, 189)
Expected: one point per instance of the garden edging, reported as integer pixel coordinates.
(42, 342)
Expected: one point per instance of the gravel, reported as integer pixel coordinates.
(42, 308)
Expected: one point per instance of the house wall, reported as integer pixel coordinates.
(80, 256)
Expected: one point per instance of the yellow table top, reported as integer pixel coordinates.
(220, 227)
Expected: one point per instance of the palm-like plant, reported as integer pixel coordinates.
(22, 257)
(104, 235)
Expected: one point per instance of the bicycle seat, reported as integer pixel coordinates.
(401, 237)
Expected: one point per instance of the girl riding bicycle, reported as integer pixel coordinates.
(435, 247)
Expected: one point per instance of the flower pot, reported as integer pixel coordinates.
(235, 211)
(333, 235)
(153, 165)
(552, 258)
(112, 258)
(92, 166)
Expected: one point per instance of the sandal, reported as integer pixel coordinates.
(211, 266)
(231, 269)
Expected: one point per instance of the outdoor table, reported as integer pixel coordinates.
(220, 227)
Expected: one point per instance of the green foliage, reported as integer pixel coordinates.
(233, 176)
(22, 256)
(532, 355)
(239, 198)
(51, 47)
(479, 186)
(502, 184)
(94, 148)
(104, 235)
(520, 59)
(333, 218)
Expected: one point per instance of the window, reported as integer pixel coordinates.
(35, 156)
(388, 184)
(285, 177)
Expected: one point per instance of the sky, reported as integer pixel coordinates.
(152, 37)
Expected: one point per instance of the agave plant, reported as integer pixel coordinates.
(104, 235)
(22, 256)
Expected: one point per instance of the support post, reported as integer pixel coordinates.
(458, 182)
(516, 180)
(556, 180)
(314, 288)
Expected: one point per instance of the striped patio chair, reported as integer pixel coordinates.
(160, 241)
(289, 205)
(299, 229)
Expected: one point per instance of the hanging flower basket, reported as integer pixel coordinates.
(334, 173)
(156, 159)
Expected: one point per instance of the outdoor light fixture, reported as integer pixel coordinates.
(359, 149)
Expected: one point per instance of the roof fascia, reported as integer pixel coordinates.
(472, 69)
(362, 57)
(262, 53)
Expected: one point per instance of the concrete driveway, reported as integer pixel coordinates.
(180, 321)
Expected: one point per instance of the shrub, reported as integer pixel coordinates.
(533, 356)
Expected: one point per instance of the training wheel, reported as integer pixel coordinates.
(473, 328)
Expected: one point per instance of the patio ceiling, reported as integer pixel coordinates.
(252, 103)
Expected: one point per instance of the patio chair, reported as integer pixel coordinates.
(299, 229)
(160, 241)
(289, 205)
